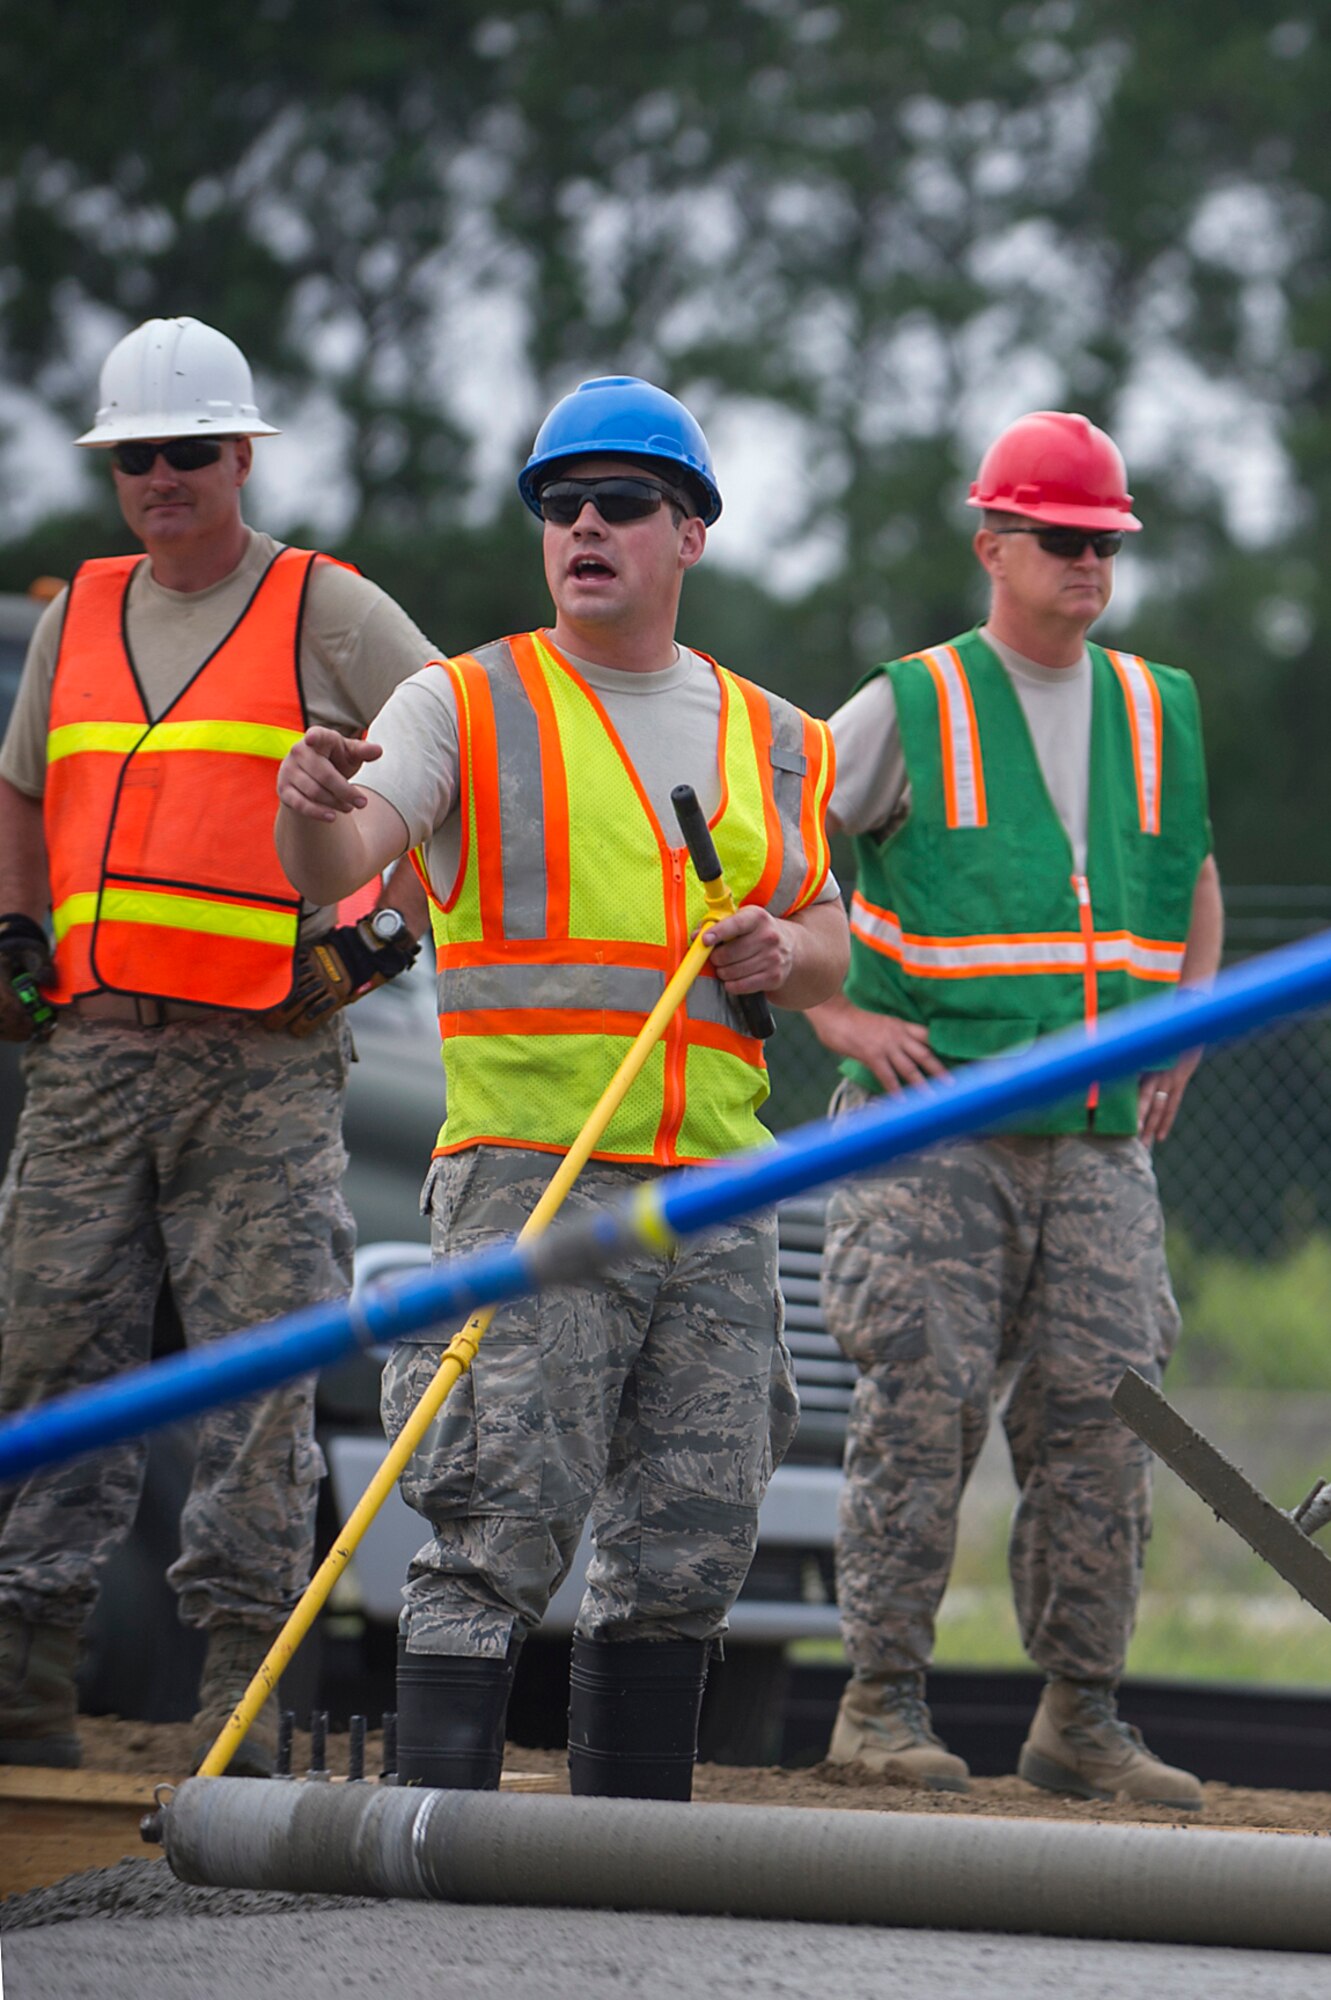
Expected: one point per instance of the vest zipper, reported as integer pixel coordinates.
(1090, 989)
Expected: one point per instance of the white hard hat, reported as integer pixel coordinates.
(175, 378)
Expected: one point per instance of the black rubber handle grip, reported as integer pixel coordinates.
(754, 1008)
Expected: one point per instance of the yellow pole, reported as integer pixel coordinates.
(461, 1350)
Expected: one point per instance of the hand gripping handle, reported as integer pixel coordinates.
(753, 1007)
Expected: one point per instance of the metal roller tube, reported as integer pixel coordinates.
(1165, 1884)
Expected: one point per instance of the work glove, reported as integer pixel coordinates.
(26, 1014)
(342, 966)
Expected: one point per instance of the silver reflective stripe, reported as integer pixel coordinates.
(589, 989)
(521, 798)
(788, 789)
(708, 1001)
(581, 988)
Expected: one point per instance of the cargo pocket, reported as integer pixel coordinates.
(308, 1466)
(444, 1192)
(512, 1424)
(440, 1476)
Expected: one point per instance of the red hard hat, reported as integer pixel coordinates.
(1056, 467)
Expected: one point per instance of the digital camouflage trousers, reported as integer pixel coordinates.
(211, 1154)
(1025, 1272)
(656, 1400)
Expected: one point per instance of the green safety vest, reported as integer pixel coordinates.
(573, 906)
(970, 916)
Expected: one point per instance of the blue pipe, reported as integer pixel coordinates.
(1266, 989)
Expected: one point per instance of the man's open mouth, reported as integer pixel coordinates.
(589, 566)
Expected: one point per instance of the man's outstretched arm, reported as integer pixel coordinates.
(333, 836)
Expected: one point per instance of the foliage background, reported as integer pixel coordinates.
(858, 237)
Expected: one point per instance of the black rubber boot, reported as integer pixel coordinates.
(450, 1719)
(38, 1702)
(633, 1717)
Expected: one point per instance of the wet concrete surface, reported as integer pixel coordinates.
(165, 1941)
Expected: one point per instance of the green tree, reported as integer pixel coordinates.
(881, 230)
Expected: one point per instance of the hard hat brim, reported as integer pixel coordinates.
(1059, 514)
(537, 472)
(136, 430)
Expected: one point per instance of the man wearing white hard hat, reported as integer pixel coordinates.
(186, 1061)
(1032, 849)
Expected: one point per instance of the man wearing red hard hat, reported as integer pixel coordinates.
(1029, 814)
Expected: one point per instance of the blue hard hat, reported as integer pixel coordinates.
(621, 416)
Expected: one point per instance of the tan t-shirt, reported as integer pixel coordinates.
(356, 646)
(872, 792)
(668, 723)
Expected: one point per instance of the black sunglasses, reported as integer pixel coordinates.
(1069, 543)
(616, 497)
(181, 454)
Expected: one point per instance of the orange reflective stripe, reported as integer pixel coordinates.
(1141, 695)
(711, 1035)
(722, 744)
(484, 765)
(539, 1021)
(462, 804)
(1144, 958)
(821, 753)
(760, 722)
(560, 951)
(986, 954)
(964, 798)
(554, 784)
(416, 862)
(535, 1146)
(533, 1021)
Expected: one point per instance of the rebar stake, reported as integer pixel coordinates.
(318, 1770)
(356, 1750)
(286, 1731)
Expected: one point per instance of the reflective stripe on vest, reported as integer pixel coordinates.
(164, 878)
(561, 929)
(1147, 725)
(1011, 953)
(963, 763)
(963, 766)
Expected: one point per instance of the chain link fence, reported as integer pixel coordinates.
(1248, 1169)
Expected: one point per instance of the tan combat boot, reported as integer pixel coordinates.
(1078, 1743)
(883, 1723)
(235, 1654)
(38, 1700)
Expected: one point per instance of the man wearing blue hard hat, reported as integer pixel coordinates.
(532, 780)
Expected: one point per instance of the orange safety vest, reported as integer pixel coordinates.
(165, 881)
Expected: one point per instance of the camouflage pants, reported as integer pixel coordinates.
(658, 1400)
(212, 1153)
(1024, 1269)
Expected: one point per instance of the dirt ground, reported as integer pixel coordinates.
(162, 1753)
(68, 1855)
